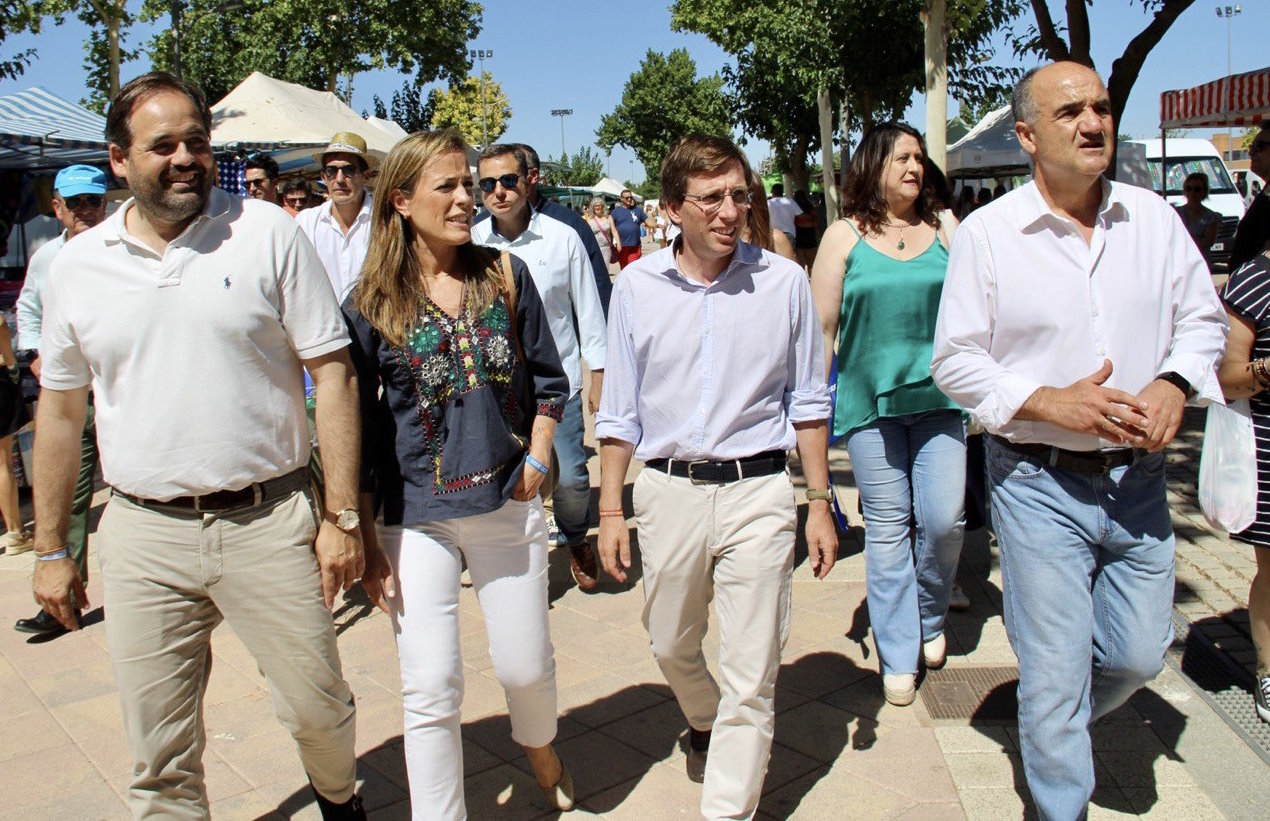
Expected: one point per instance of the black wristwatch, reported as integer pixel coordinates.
(1175, 379)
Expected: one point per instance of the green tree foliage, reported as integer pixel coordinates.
(462, 104)
(16, 18)
(315, 42)
(411, 108)
(104, 50)
(585, 167)
(664, 100)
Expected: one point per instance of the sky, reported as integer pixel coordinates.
(578, 54)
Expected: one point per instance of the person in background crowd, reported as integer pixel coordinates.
(1254, 228)
(714, 504)
(998, 191)
(602, 227)
(79, 203)
(456, 445)
(782, 210)
(985, 197)
(12, 417)
(1078, 415)
(210, 521)
(806, 235)
(262, 178)
(758, 229)
(295, 196)
(965, 202)
(877, 281)
(627, 221)
(1245, 374)
(340, 228)
(1201, 223)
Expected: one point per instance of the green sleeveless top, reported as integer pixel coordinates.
(886, 333)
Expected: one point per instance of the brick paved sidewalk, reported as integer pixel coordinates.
(840, 750)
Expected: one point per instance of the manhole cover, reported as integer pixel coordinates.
(978, 694)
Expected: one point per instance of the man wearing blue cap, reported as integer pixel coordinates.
(79, 203)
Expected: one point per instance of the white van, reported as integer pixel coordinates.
(1186, 156)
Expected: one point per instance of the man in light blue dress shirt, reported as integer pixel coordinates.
(715, 371)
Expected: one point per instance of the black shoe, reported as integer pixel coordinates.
(42, 624)
(698, 750)
(350, 810)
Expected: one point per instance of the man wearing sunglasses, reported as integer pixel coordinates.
(295, 197)
(627, 218)
(562, 273)
(79, 203)
(340, 228)
(261, 176)
(1254, 228)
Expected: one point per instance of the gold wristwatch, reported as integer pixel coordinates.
(346, 520)
(825, 495)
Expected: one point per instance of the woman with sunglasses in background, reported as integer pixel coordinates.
(457, 447)
(1201, 222)
(876, 282)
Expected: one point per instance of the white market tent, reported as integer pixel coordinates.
(39, 130)
(613, 188)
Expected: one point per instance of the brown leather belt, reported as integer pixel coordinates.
(1077, 461)
(705, 472)
(255, 494)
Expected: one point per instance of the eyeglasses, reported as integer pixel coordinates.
(295, 200)
(709, 203)
(332, 171)
(91, 200)
(260, 183)
(508, 181)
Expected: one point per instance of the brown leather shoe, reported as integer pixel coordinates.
(582, 563)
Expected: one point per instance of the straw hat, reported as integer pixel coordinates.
(346, 142)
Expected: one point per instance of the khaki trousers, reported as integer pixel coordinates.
(734, 541)
(169, 578)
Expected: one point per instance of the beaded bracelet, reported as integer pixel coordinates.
(535, 464)
(54, 555)
(1260, 373)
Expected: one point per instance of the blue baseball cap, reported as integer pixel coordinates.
(80, 179)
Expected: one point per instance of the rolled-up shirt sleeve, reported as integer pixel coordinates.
(618, 417)
(63, 364)
(806, 393)
(961, 364)
(1199, 321)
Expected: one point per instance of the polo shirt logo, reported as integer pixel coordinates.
(227, 281)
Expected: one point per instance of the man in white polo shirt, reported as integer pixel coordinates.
(191, 314)
(563, 275)
(340, 228)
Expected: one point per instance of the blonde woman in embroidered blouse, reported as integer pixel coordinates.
(457, 446)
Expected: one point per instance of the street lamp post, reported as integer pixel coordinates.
(481, 54)
(1229, 12)
(561, 113)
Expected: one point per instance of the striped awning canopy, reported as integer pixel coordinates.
(1240, 99)
(38, 129)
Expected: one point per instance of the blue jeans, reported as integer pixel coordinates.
(1087, 567)
(572, 497)
(910, 468)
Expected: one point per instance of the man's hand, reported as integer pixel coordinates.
(614, 545)
(1085, 406)
(341, 559)
(531, 480)
(593, 395)
(59, 590)
(1163, 403)
(35, 367)
(822, 537)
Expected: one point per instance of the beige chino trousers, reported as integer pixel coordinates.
(733, 543)
(169, 579)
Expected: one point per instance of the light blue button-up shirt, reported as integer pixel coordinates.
(719, 371)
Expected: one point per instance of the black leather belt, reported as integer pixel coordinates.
(1077, 461)
(255, 494)
(705, 472)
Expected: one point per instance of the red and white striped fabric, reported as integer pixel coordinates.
(1240, 99)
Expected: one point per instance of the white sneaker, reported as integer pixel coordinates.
(958, 600)
(15, 542)
(935, 652)
(1261, 694)
(900, 688)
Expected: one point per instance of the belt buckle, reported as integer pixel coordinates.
(694, 479)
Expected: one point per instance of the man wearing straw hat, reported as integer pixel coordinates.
(340, 229)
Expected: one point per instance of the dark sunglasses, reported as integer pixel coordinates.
(508, 181)
(91, 200)
(1194, 189)
(260, 183)
(295, 200)
(330, 172)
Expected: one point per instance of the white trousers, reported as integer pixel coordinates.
(506, 553)
(735, 541)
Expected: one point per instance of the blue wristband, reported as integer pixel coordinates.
(54, 555)
(535, 464)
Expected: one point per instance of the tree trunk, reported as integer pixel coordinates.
(112, 46)
(826, 149)
(936, 83)
(844, 149)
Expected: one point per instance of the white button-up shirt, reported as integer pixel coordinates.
(719, 371)
(562, 273)
(342, 254)
(1027, 303)
(30, 305)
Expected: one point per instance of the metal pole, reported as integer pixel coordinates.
(561, 113)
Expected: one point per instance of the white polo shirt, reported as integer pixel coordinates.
(562, 273)
(342, 254)
(194, 355)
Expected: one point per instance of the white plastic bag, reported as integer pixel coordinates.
(1228, 467)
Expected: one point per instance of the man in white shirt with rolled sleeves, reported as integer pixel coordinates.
(1076, 320)
(340, 227)
(716, 370)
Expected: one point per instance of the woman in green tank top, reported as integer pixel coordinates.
(877, 281)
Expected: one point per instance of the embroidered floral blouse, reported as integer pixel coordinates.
(447, 435)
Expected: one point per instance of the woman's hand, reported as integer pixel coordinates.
(530, 480)
(377, 578)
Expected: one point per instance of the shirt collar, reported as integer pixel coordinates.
(1033, 208)
(216, 206)
(744, 255)
(327, 214)
(532, 231)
